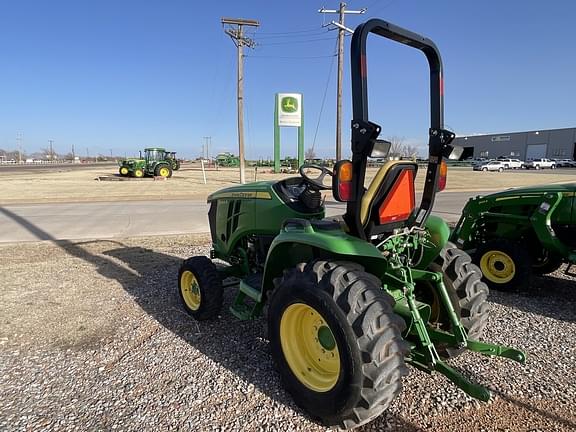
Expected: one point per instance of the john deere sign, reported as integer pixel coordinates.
(288, 112)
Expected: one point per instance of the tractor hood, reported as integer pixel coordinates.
(566, 188)
(259, 189)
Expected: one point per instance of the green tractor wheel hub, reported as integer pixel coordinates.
(326, 338)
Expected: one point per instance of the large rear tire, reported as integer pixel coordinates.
(336, 342)
(468, 295)
(506, 265)
(200, 288)
(163, 170)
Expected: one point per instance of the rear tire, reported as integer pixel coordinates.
(500, 169)
(124, 171)
(365, 338)
(506, 265)
(467, 292)
(200, 288)
(484, 169)
(163, 170)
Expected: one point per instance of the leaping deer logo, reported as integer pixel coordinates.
(289, 104)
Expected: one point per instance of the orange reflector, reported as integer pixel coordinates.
(443, 176)
(345, 172)
(399, 203)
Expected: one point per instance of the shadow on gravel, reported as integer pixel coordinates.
(151, 280)
(550, 296)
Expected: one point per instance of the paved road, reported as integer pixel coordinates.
(105, 220)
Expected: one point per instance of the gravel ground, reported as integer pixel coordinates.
(92, 337)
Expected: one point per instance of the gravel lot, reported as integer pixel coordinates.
(92, 337)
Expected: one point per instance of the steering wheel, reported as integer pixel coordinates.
(316, 182)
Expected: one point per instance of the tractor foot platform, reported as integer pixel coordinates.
(248, 302)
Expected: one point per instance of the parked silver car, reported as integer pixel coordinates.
(490, 166)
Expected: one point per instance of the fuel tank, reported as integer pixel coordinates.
(258, 209)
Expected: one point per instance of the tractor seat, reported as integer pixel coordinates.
(389, 200)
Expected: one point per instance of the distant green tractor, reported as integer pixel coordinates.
(155, 163)
(350, 301)
(175, 163)
(518, 232)
(227, 159)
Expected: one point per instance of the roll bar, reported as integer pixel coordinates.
(365, 132)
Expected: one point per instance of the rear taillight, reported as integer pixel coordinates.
(342, 181)
(443, 176)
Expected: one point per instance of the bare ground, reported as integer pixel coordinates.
(92, 337)
(63, 184)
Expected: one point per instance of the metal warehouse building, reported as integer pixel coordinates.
(551, 143)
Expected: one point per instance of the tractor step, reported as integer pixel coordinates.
(248, 302)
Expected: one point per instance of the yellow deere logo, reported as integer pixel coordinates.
(289, 104)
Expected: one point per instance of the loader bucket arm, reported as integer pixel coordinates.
(364, 132)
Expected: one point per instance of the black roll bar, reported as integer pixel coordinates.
(365, 132)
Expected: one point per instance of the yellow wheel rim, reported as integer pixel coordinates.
(497, 267)
(164, 172)
(190, 290)
(309, 347)
(124, 170)
(138, 173)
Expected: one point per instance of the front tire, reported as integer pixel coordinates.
(138, 173)
(500, 169)
(124, 171)
(200, 288)
(336, 342)
(506, 265)
(547, 262)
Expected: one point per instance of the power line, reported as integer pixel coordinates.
(324, 98)
(341, 11)
(295, 42)
(316, 33)
(313, 29)
(292, 57)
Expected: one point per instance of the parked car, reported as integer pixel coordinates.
(490, 166)
(564, 163)
(540, 163)
(512, 163)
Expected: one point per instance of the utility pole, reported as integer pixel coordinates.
(51, 151)
(341, 29)
(235, 29)
(208, 140)
(73, 155)
(19, 143)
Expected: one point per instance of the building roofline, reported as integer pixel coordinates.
(515, 133)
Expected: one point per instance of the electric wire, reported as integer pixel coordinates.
(324, 97)
(293, 57)
(293, 42)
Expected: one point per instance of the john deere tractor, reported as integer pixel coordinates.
(519, 232)
(154, 163)
(349, 301)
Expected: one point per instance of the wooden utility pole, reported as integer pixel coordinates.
(341, 29)
(235, 29)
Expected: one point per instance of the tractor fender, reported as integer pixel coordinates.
(299, 241)
(439, 234)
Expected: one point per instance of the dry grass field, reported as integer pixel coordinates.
(64, 184)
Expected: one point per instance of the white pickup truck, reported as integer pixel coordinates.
(511, 163)
(540, 163)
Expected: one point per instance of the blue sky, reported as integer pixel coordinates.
(124, 75)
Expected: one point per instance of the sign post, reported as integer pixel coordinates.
(288, 112)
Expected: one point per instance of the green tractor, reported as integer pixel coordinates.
(519, 232)
(349, 301)
(154, 163)
(174, 162)
(227, 159)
